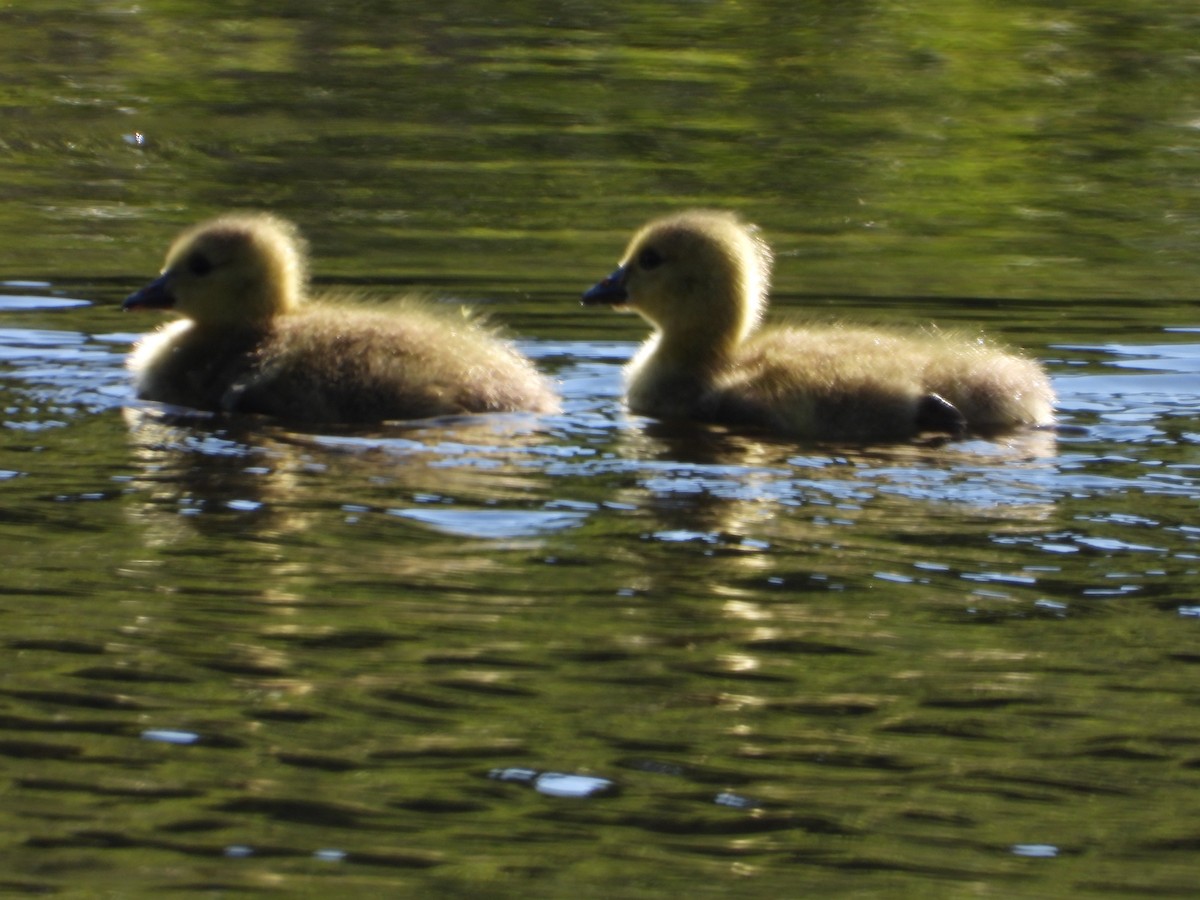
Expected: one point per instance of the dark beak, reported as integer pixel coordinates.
(611, 290)
(155, 295)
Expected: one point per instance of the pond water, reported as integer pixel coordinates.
(588, 654)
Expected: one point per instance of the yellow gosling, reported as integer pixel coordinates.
(700, 278)
(251, 341)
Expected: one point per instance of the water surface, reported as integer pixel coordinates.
(246, 658)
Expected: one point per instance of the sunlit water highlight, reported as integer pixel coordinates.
(725, 643)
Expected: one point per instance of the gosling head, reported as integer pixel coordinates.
(697, 270)
(233, 270)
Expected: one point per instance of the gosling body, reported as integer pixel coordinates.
(700, 278)
(251, 342)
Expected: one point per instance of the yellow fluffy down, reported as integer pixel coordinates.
(701, 279)
(250, 343)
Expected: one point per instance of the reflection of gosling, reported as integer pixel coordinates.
(251, 342)
(700, 278)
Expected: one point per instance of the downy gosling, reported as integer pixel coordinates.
(251, 341)
(700, 278)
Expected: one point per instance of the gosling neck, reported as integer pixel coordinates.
(251, 308)
(708, 341)
(702, 347)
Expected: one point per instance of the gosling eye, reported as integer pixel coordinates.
(199, 264)
(649, 258)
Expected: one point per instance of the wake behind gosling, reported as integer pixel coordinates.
(701, 279)
(251, 340)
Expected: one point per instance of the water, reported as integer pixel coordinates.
(586, 653)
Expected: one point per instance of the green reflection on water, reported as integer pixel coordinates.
(960, 149)
(910, 660)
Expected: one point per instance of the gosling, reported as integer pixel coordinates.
(251, 341)
(700, 278)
